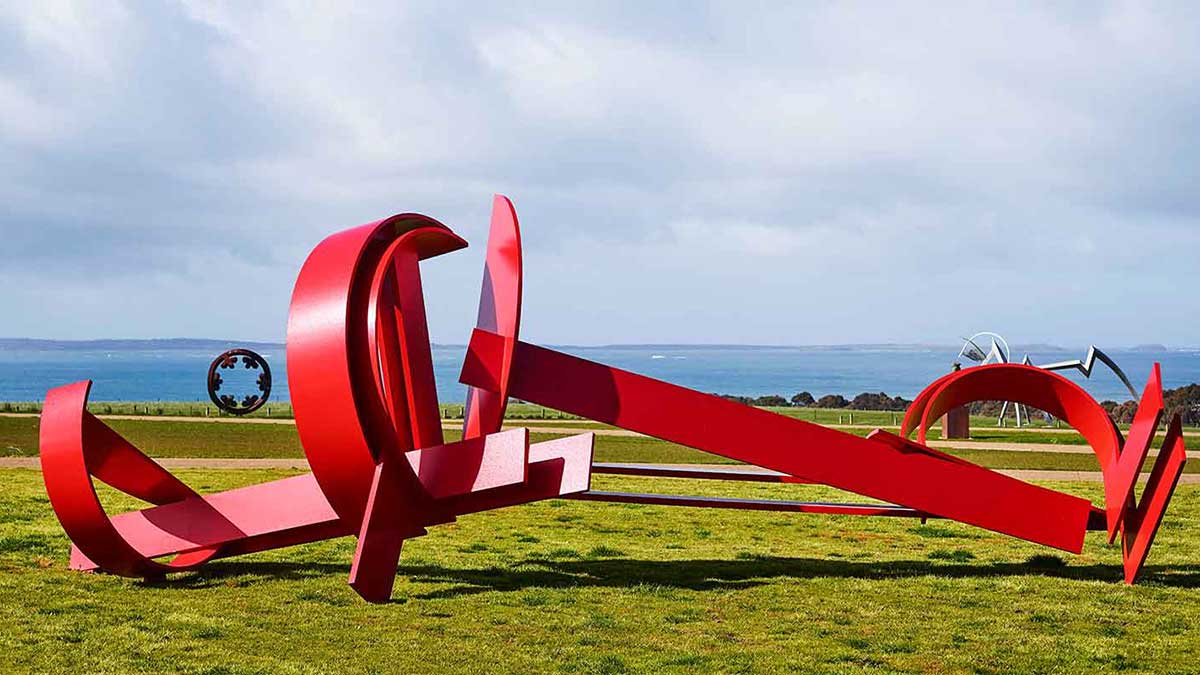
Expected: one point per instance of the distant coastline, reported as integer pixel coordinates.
(173, 369)
(131, 344)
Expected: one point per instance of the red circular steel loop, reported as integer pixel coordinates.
(1029, 385)
(65, 469)
(332, 372)
(390, 404)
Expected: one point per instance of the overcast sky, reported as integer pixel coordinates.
(768, 174)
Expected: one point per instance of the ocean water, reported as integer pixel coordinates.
(178, 374)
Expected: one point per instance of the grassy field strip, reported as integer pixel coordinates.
(160, 439)
(180, 418)
(572, 587)
(986, 430)
(516, 410)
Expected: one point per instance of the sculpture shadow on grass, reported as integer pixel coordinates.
(694, 575)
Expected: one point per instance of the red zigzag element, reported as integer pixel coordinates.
(1120, 459)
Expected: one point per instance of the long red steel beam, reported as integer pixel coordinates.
(904, 476)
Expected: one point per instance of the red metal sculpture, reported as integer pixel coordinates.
(361, 378)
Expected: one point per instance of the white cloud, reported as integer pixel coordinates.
(799, 168)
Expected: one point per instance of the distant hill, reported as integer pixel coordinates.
(1148, 348)
(1038, 348)
(815, 348)
(133, 345)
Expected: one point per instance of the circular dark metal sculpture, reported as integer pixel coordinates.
(229, 402)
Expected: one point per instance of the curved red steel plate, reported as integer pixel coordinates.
(499, 313)
(1033, 386)
(1030, 385)
(74, 446)
(333, 387)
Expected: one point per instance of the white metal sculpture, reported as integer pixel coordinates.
(999, 352)
(1085, 366)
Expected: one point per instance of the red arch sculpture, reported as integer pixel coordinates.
(1120, 459)
(361, 377)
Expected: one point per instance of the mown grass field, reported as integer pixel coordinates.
(168, 438)
(578, 587)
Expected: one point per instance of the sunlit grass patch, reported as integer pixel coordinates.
(569, 586)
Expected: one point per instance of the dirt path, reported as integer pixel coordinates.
(1029, 447)
(183, 463)
(1011, 446)
(1021, 474)
(173, 418)
(219, 463)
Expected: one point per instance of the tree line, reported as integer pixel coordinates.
(864, 401)
(1184, 400)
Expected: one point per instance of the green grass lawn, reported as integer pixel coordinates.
(578, 587)
(18, 436)
(529, 412)
(272, 409)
